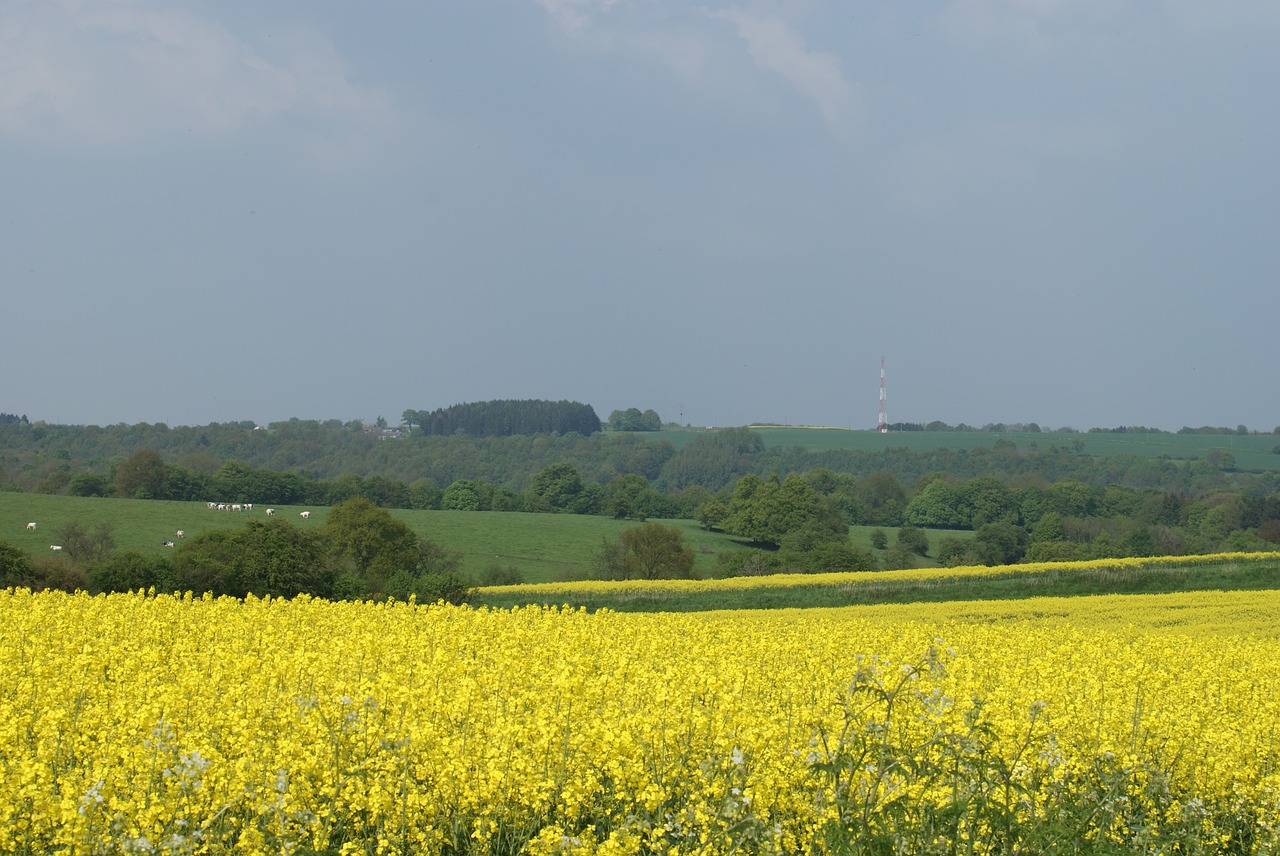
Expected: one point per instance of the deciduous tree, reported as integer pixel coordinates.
(142, 476)
(648, 552)
(377, 544)
(937, 507)
(654, 551)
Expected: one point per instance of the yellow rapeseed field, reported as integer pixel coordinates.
(142, 723)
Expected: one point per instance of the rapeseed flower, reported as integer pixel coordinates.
(152, 723)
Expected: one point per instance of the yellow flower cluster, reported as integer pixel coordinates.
(142, 723)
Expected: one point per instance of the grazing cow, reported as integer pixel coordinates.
(166, 543)
(304, 514)
(31, 526)
(248, 506)
(236, 507)
(271, 511)
(182, 533)
(55, 546)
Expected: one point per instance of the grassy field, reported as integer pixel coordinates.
(1252, 452)
(543, 547)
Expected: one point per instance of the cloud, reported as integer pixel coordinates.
(776, 47)
(674, 38)
(114, 74)
(1039, 28)
(574, 15)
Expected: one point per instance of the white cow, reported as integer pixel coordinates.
(55, 546)
(304, 514)
(31, 526)
(182, 533)
(271, 511)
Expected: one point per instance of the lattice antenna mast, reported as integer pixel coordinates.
(882, 422)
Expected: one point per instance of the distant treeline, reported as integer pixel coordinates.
(1054, 502)
(1033, 428)
(506, 418)
(60, 459)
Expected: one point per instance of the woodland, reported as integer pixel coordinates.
(1032, 502)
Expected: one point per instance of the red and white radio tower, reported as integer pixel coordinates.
(882, 422)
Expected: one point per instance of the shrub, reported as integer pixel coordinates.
(496, 575)
(914, 539)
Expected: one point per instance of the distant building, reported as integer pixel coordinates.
(388, 432)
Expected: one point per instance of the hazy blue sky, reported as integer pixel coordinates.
(1059, 211)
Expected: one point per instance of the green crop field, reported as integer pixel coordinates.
(1251, 451)
(543, 547)
(953, 586)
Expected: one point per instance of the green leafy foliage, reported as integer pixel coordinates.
(504, 418)
(632, 419)
(129, 570)
(937, 506)
(142, 476)
(15, 567)
(648, 552)
(1182, 500)
(560, 488)
(263, 557)
(377, 545)
(714, 460)
(913, 539)
(783, 513)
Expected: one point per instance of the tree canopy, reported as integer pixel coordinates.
(632, 419)
(648, 552)
(504, 418)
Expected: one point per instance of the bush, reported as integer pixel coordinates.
(56, 573)
(83, 546)
(830, 557)
(648, 552)
(1269, 530)
(914, 539)
(428, 588)
(496, 575)
(15, 567)
(745, 563)
(900, 557)
(130, 571)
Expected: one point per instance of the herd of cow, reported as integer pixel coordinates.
(181, 533)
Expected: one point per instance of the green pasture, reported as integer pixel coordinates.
(543, 547)
(1251, 451)
(138, 524)
(546, 547)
